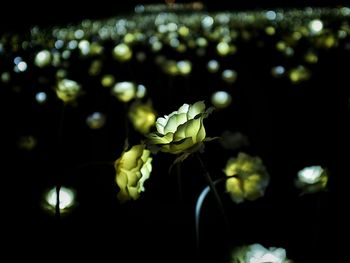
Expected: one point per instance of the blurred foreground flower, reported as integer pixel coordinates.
(182, 131)
(67, 90)
(142, 116)
(249, 180)
(256, 253)
(133, 168)
(312, 179)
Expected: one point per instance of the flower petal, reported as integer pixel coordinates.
(195, 109)
(155, 138)
(188, 129)
(178, 147)
(184, 108)
(160, 124)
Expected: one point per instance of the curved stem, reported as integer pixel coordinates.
(199, 205)
(213, 189)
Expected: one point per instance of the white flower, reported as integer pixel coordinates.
(256, 253)
(312, 179)
(181, 131)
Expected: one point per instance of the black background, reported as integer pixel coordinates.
(288, 126)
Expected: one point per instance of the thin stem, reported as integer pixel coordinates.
(200, 202)
(212, 187)
(57, 207)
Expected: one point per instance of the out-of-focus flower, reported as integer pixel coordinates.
(96, 120)
(27, 143)
(122, 52)
(142, 116)
(133, 168)
(182, 131)
(67, 90)
(249, 180)
(299, 74)
(256, 253)
(124, 91)
(312, 179)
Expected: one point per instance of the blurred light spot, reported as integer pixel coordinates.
(221, 99)
(141, 91)
(84, 47)
(311, 57)
(73, 44)
(184, 67)
(59, 44)
(17, 60)
(42, 59)
(27, 142)
(79, 34)
(271, 15)
(316, 26)
(140, 56)
(299, 74)
(310, 175)
(139, 9)
(41, 97)
(22, 66)
(229, 75)
(66, 199)
(67, 90)
(213, 66)
(223, 48)
(96, 120)
(207, 22)
(5, 77)
(107, 80)
(66, 54)
(278, 71)
(122, 52)
(124, 91)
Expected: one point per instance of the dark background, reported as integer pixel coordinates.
(289, 127)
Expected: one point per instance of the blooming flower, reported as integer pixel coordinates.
(256, 253)
(180, 132)
(312, 179)
(133, 168)
(142, 116)
(249, 180)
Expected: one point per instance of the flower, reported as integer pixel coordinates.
(142, 116)
(124, 91)
(66, 200)
(180, 132)
(256, 253)
(249, 178)
(67, 90)
(133, 168)
(312, 179)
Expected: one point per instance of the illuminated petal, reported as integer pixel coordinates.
(159, 139)
(179, 147)
(184, 108)
(195, 109)
(160, 124)
(188, 129)
(174, 121)
(201, 133)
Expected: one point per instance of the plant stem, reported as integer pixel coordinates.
(57, 207)
(200, 202)
(211, 186)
